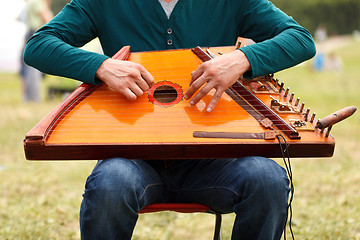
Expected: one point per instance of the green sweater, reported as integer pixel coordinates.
(142, 24)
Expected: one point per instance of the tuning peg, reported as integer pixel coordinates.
(302, 107)
(276, 81)
(329, 121)
(297, 101)
(328, 132)
(307, 114)
(312, 117)
(281, 87)
(286, 92)
(238, 45)
(292, 97)
(316, 126)
(336, 117)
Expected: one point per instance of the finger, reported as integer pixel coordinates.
(130, 95)
(142, 84)
(136, 89)
(215, 99)
(196, 74)
(192, 89)
(195, 85)
(205, 90)
(148, 78)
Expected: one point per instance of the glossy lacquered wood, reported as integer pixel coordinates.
(96, 123)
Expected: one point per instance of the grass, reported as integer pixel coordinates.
(40, 200)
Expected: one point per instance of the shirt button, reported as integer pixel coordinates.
(169, 31)
(169, 42)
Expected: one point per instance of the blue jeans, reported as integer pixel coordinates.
(255, 188)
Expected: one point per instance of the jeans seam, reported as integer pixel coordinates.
(147, 187)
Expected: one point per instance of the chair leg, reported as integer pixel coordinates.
(217, 231)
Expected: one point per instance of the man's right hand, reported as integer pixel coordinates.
(128, 78)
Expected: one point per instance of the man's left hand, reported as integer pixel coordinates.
(218, 73)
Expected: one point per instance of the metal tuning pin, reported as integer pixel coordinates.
(316, 126)
(302, 107)
(273, 80)
(276, 81)
(328, 132)
(292, 97)
(238, 45)
(297, 101)
(312, 117)
(286, 92)
(307, 114)
(281, 87)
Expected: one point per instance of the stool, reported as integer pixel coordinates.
(186, 208)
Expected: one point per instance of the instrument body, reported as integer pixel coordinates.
(95, 122)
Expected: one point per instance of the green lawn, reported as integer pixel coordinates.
(40, 200)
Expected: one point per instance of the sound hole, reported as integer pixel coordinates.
(165, 94)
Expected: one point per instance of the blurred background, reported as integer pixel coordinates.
(13, 25)
(40, 200)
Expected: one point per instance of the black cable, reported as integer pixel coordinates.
(287, 164)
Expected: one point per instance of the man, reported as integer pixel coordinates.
(36, 13)
(255, 188)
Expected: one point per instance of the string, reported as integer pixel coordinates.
(169, 71)
(108, 94)
(82, 120)
(229, 112)
(200, 117)
(105, 103)
(287, 164)
(114, 103)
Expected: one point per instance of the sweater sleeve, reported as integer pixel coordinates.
(54, 48)
(281, 41)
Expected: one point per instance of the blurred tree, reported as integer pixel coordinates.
(339, 16)
(57, 5)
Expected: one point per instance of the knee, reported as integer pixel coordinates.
(266, 178)
(113, 180)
